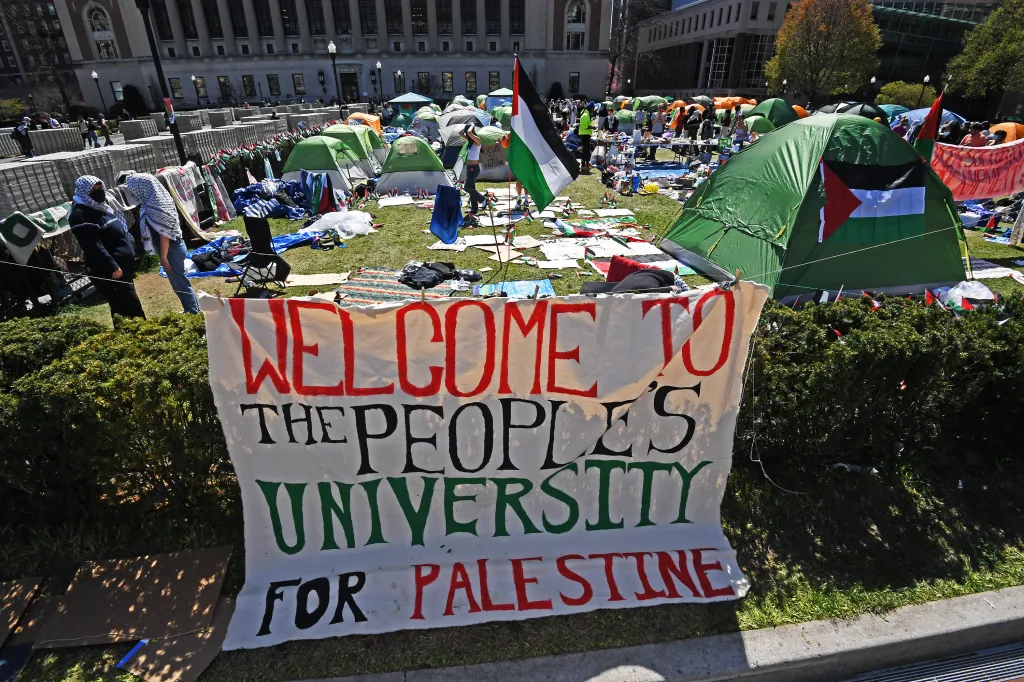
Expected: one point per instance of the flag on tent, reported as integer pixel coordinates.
(536, 155)
(925, 142)
(869, 204)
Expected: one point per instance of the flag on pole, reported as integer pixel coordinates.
(925, 142)
(536, 154)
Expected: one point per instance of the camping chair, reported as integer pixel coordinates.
(263, 267)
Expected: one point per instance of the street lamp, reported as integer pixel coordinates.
(333, 50)
(927, 79)
(785, 82)
(195, 84)
(380, 80)
(143, 6)
(373, 81)
(96, 80)
(400, 80)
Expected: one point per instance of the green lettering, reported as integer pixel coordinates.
(330, 510)
(605, 467)
(295, 493)
(416, 518)
(684, 494)
(648, 469)
(450, 498)
(564, 498)
(376, 535)
(511, 501)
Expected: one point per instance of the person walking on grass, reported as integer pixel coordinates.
(161, 234)
(472, 171)
(585, 131)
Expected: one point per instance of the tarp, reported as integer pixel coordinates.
(762, 213)
(980, 172)
(418, 495)
(892, 110)
(776, 110)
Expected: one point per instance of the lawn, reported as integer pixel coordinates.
(819, 545)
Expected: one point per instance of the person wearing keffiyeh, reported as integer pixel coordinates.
(107, 246)
(158, 220)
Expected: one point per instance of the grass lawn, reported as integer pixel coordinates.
(841, 544)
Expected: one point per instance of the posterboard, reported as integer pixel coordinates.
(443, 463)
(491, 156)
(980, 172)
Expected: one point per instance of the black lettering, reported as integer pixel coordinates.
(411, 440)
(453, 445)
(549, 457)
(390, 424)
(346, 595)
(507, 426)
(308, 419)
(304, 618)
(264, 432)
(324, 424)
(600, 448)
(660, 397)
(274, 595)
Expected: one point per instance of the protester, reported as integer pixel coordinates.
(901, 128)
(998, 137)
(106, 246)
(158, 218)
(985, 130)
(739, 134)
(93, 138)
(693, 123)
(83, 129)
(472, 169)
(105, 131)
(727, 123)
(657, 129)
(974, 138)
(21, 136)
(585, 131)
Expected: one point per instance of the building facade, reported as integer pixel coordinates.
(721, 46)
(35, 62)
(245, 50)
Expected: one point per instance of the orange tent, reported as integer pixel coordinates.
(677, 104)
(1014, 131)
(800, 111)
(359, 118)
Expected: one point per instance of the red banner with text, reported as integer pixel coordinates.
(980, 172)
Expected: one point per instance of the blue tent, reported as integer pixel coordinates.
(498, 98)
(916, 117)
(409, 103)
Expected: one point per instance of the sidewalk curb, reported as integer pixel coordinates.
(819, 650)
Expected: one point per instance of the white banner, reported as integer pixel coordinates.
(448, 463)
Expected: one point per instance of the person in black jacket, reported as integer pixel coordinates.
(109, 255)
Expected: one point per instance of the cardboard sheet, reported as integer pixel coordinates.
(459, 245)
(17, 650)
(613, 212)
(387, 202)
(15, 596)
(180, 659)
(162, 595)
(525, 242)
(324, 279)
(482, 239)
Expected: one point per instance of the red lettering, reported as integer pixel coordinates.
(669, 568)
(521, 581)
(485, 590)
(278, 377)
(421, 582)
(537, 317)
(460, 581)
(348, 337)
(730, 319)
(403, 359)
(613, 589)
(451, 318)
(665, 306)
(649, 592)
(701, 569)
(588, 591)
(554, 355)
(300, 349)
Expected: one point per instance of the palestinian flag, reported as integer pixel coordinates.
(867, 204)
(536, 154)
(925, 141)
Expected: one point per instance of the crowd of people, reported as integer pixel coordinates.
(89, 127)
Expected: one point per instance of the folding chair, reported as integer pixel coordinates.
(263, 266)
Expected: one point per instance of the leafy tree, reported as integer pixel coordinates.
(627, 15)
(39, 35)
(825, 47)
(12, 108)
(906, 94)
(991, 60)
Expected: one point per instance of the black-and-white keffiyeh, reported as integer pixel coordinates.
(84, 185)
(157, 211)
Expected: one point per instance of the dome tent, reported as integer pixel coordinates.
(798, 211)
(776, 110)
(320, 154)
(497, 98)
(412, 165)
(464, 116)
(503, 114)
(865, 109)
(358, 145)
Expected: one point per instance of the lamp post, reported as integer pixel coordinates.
(373, 81)
(766, 88)
(143, 6)
(785, 82)
(380, 80)
(323, 81)
(195, 84)
(924, 83)
(333, 50)
(401, 79)
(96, 80)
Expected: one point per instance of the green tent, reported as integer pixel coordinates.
(503, 114)
(425, 114)
(480, 99)
(759, 125)
(458, 101)
(776, 110)
(651, 103)
(319, 153)
(800, 211)
(411, 153)
(401, 121)
(350, 138)
(625, 116)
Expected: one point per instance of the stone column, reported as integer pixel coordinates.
(407, 36)
(278, 23)
(481, 27)
(382, 29)
(458, 44)
(357, 28)
(202, 31)
(328, 20)
(433, 41)
(506, 40)
(305, 42)
(227, 27)
(176, 30)
(252, 27)
(702, 81)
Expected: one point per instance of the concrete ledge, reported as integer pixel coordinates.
(819, 650)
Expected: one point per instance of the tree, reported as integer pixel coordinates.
(825, 47)
(12, 108)
(623, 44)
(39, 37)
(909, 95)
(991, 59)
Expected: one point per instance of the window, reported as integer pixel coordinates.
(396, 46)
(423, 81)
(115, 87)
(468, 18)
(728, 15)
(273, 84)
(471, 81)
(393, 17)
(494, 46)
(720, 60)
(263, 21)
(249, 86)
(469, 46)
(367, 17)
(200, 86)
(443, 8)
(176, 91)
(515, 46)
(399, 82)
(245, 48)
(98, 20)
(703, 21)
(7, 46)
(447, 81)
(299, 83)
(295, 48)
(315, 14)
(270, 48)
(421, 46)
(689, 24)
(342, 17)
(212, 17)
(493, 80)
(220, 50)
(737, 11)
(187, 19)
(195, 51)
(517, 17)
(576, 13)
(754, 7)
(289, 17)
(12, 61)
(492, 17)
(771, 10)
(576, 26)
(226, 90)
(102, 36)
(171, 53)
(574, 40)
(757, 51)
(238, 25)
(574, 81)
(418, 10)
(162, 20)
(446, 46)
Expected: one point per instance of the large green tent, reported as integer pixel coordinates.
(348, 136)
(411, 166)
(318, 153)
(776, 110)
(651, 103)
(503, 114)
(825, 203)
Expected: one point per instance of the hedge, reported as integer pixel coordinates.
(113, 427)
